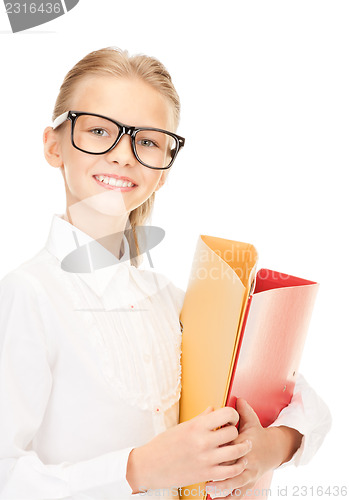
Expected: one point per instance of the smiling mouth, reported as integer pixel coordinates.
(112, 183)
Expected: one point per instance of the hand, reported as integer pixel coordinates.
(189, 453)
(270, 447)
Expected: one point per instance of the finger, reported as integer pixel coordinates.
(224, 472)
(247, 489)
(221, 492)
(238, 482)
(221, 417)
(224, 435)
(232, 452)
(241, 492)
(243, 459)
(209, 409)
(230, 483)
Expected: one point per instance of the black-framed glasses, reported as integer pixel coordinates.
(98, 134)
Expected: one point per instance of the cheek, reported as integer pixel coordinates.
(152, 178)
(77, 164)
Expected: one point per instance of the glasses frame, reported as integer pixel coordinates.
(123, 130)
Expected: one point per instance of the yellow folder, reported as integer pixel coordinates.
(220, 281)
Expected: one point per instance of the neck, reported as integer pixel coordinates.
(108, 229)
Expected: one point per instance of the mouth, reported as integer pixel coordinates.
(110, 182)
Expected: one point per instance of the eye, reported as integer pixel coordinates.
(148, 143)
(98, 132)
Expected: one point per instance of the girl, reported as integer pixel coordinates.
(90, 341)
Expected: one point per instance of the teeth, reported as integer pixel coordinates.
(114, 182)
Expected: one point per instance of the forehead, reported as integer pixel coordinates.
(128, 100)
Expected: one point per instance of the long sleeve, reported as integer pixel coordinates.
(26, 382)
(308, 414)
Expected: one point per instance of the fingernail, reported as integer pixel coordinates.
(249, 443)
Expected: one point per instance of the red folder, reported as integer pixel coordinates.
(271, 343)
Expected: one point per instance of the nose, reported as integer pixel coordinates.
(122, 153)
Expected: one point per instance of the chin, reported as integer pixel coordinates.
(109, 202)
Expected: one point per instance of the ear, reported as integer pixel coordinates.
(163, 178)
(52, 150)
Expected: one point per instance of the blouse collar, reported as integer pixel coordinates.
(80, 254)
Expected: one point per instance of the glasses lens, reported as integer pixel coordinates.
(155, 148)
(94, 134)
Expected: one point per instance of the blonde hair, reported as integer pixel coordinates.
(112, 61)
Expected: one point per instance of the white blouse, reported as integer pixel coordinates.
(90, 369)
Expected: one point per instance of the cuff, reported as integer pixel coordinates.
(103, 476)
(309, 415)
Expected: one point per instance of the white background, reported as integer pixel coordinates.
(264, 91)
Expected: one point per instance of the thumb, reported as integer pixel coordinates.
(248, 417)
(207, 410)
